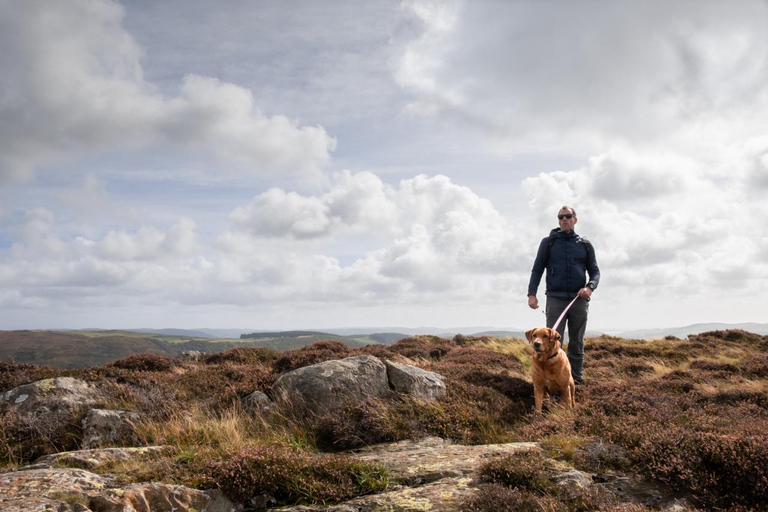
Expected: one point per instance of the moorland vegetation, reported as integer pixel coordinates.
(688, 413)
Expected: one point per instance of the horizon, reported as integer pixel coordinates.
(274, 164)
(467, 330)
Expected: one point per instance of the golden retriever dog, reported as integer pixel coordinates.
(550, 369)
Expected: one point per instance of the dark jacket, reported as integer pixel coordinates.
(567, 257)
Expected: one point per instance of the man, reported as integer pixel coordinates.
(567, 257)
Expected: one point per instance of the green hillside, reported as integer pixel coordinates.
(83, 349)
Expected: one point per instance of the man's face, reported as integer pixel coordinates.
(566, 224)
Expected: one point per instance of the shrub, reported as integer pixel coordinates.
(469, 414)
(361, 424)
(222, 385)
(756, 366)
(423, 347)
(638, 369)
(311, 354)
(13, 375)
(599, 457)
(516, 389)
(678, 381)
(151, 394)
(462, 360)
(291, 476)
(522, 471)
(722, 471)
(146, 362)
(586, 499)
(253, 356)
(497, 498)
(713, 366)
(24, 438)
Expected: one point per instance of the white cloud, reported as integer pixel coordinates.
(578, 76)
(662, 224)
(428, 236)
(72, 82)
(433, 239)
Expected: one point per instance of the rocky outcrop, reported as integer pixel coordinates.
(92, 459)
(331, 385)
(436, 475)
(157, 497)
(42, 487)
(431, 474)
(49, 489)
(414, 381)
(102, 427)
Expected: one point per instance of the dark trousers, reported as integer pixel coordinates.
(576, 319)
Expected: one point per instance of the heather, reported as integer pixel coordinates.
(688, 414)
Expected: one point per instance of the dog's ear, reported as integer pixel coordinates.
(554, 334)
(529, 335)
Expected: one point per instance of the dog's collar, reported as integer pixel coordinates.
(553, 355)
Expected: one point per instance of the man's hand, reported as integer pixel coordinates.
(533, 302)
(585, 292)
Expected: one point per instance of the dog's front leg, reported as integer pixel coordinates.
(538, 397)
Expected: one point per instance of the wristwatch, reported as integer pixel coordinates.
(591, 286)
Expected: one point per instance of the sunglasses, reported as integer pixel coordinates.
(568, 216)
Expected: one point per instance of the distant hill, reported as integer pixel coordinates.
(387, 338)
(187, 333)
(89, 348)
(70, 350)
(84, 349)
(447, 332)
(501, 334)
(682, 332)
(287, 340)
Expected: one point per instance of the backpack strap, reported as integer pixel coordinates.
(587, 246)
(581, 240)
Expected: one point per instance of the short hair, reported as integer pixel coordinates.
(573, 210)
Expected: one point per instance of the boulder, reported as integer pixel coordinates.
(331, 385)
(53, 410)
(410, 380)
(257, 402)
(192, 355)
(102, 427)
(51, 395)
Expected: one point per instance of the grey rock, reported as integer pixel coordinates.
(51, 395)
(414, 381)
(331, 385)
(93, 458)
(78, 490)
(258, 402)
(192, 355)
(51, 407)
(573, 477)
(103, 427)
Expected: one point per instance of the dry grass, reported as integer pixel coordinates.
(690, 413)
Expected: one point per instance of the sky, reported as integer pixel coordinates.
(273, 165)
